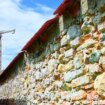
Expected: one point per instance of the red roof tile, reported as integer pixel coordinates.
(64, 5)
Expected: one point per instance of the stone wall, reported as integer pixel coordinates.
(68, 69)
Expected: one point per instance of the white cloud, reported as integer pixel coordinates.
(43, 8)
(25, 21)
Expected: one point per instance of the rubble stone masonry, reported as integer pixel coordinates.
(67, 69)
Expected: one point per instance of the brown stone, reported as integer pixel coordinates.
(92, 96)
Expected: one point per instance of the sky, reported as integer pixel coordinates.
(26, 17)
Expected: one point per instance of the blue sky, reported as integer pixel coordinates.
(26, 16)
(50, 3)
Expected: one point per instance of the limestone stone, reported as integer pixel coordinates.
(83, 80)
(38, 75)
(69, 65)
(72, 74)
(39, 88)
(64, 95)
(78, 61)
(78, 95)
(59, 84)
(99, 84)
(47, 81)
(38, 65)
(95, 56)
(22, 80)
(44, 72)
(84, 6)
(103, 50)
(65, 60)
(61, 57)
(56, 46)
(75, 42)
(69, 53)
(49, 95)
(101, 27)
(86, 44)
(66, 103)
(55, 55)
(102, 39)
(62, 50)
(61, 68)
(94, 68)
(52, 64)
(102, 62)
(73, 31)
(88, 86)
(64, 41)
(66, 87)
(86, 56)
(64, 32)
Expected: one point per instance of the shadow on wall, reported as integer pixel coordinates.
(12, 102)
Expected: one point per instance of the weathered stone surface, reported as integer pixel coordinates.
(69, 53)
(78, 61)
(86, 44)
(84, 6)
(61, 68)
(56, 46)
(75, 42)
(55, 55)
(92, 96)
(72, 74)
(64, 41)
(52, 64)
(59, 84)
(99, 84)
(95, 56)
(38, 65)
(66, 103)
(64, 95)
(103, 50)
(78, 95)
(101, 27)
(102, 62)
(38, 75)
(88, 86)
(44, 72)
(93, 68)
(73, 32)
(22, 80)
(66, 87)
(102, 39)
(83, 80)
(69, 65)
